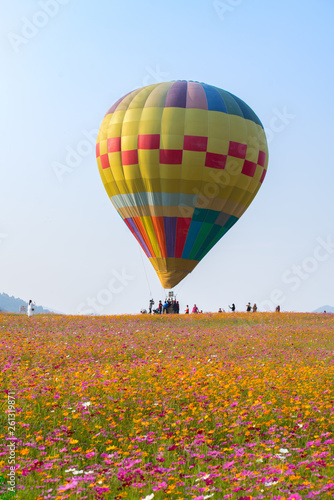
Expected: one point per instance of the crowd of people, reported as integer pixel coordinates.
(169, 306)
(172, 306)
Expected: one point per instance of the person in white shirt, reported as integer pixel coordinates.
(31, 309)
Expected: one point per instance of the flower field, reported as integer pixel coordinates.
(221, 406)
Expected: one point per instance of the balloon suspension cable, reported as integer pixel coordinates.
(179, 289)
(142, 260)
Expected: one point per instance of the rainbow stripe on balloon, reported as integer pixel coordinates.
(181, 162)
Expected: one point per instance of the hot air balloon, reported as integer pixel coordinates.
(181, 161)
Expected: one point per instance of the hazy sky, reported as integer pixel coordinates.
(65, 62)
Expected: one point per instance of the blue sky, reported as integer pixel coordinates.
(66, 62)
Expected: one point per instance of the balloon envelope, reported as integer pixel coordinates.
(181, 162)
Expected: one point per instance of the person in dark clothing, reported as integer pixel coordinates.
(248, 307)
(232, 307)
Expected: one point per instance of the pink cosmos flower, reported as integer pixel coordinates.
(160, 486)
(68, 486)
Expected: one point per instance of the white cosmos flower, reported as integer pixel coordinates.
(202, 478)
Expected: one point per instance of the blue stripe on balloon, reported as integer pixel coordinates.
(215, 100)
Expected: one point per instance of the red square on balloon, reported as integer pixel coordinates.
(105, 161)
(263, 175)
(171, 156)
(262, 158)
(249, 168)
(114, 144)
(214, 160)
(237, 149)
(130, 157)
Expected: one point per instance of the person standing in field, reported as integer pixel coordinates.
(232, 307)
(31, 309)
(150, 306)
(195, 309)
(254, 308)
(187, 310)
(160, 307)
(248, 307)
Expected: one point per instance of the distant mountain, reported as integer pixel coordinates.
(328, 309)
(13, 304)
